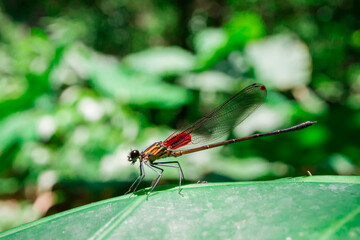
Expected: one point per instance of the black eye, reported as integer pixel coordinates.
(134, 154)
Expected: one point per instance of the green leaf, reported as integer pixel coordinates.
(18, 127)
(210, 46)
(318, 207)
(282, 61)
(213, 45)
(244, 27)
(136, 88)
(161, 61)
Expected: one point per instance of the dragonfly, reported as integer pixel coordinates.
(203, 134)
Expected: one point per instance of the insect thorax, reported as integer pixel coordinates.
(156, 151)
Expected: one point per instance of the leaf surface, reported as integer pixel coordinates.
(317, 207)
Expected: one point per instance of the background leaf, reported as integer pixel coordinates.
(161, 61)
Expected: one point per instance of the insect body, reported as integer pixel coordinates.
(201, 135)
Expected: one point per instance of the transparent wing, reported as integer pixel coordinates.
(220, 121)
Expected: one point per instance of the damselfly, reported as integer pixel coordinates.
(205, 131)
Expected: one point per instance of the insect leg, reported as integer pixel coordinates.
(157, 179)
(138, 180)
(178, 166)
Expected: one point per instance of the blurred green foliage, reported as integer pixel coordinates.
(81, 83)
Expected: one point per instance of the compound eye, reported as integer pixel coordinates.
(134, 154)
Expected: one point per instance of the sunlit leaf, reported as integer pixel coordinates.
(209, 45)
(209, 81)
(161, 61)
(136, 88)
(281, 61)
